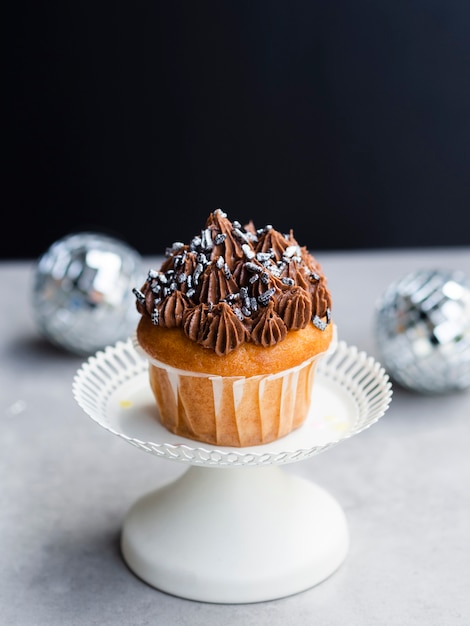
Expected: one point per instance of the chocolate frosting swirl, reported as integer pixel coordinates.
(272, 240)
(215, 286)
(269, 328)
(295, 308)
(233, 284)
(217, 328)
(171, 310)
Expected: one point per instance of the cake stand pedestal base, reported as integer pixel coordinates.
(235, 527)
(235, 535)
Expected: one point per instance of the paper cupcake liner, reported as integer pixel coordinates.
(232, 410)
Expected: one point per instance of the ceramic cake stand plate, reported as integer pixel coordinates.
(234, 527)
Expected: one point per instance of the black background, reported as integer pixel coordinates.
(348, 122)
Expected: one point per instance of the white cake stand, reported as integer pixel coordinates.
(235, 527)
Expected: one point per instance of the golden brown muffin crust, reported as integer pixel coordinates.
(172, 346)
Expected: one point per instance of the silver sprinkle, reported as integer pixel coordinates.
(220, 238)
(251, 267)
(238, 313)
(197, 272)
(288, 281)
(319, 323)
(249, 253)
(195, 243)
(139, 295)
(264, 257)
(264, 298)
(206, 239)
(239, 233)
(175, 246)
(290, 251)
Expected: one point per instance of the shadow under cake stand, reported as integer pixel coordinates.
(234, 527)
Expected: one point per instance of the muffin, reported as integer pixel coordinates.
(233, 325)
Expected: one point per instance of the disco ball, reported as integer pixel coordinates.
(82, 296)
(422, 331)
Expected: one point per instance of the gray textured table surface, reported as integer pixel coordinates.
(66, 485)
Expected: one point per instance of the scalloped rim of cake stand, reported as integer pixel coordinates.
(351, 392)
